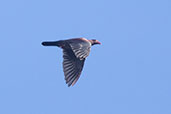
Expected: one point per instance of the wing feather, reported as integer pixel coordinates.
(72, 67)
(80, 47)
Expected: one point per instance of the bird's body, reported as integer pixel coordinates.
(75, 52)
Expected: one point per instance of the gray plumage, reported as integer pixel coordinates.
(75, 52)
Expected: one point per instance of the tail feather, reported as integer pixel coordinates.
(52, 43)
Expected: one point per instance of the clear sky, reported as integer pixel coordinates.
(130, 73)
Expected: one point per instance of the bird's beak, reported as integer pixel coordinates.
(97, 42)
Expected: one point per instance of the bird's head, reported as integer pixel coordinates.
(94, 41)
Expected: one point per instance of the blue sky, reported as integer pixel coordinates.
(129, 73)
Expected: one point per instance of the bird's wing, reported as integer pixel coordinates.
(72, 67)
(80, 47)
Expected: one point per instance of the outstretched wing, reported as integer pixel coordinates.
(80, 47)
(72, 67)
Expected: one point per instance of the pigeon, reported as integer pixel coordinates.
(75, 51)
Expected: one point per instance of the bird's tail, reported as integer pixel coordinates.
(52, 43)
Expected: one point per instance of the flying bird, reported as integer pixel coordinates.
(75, 52)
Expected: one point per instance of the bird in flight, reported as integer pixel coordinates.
(75, 52)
